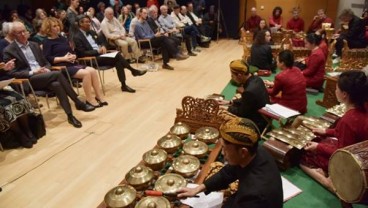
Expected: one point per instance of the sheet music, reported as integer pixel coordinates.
(5, 83)
(110, 55)
(280, 110)
(212, 200)
(289, 189)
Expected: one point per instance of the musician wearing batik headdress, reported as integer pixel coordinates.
(259, 179)
(254, 94)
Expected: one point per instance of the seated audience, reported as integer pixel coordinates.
(187, 19)
(40, 36)
(197, 21)
(8, 38)
(101, 10)
(296, 23)
(126, 17)
(114, 31)
(290, 83)
(355, 35)
(95, 23)
(143, 31)
(71, 15)
(31, 64)
(253, 21)
(254, 94)
(58, 52)
(40, 16)
(14, 110)
(276, 19)
(261, 52)
(87, 43)
(318, 20)
(199, 6)
(210, 23)
(260, 182)
(351, 90)
(170, 4)
(314, 70)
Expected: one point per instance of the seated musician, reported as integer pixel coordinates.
(296, 23)
(314, 70)
(351, 89)
(261, 52)
(252, 22)
(290, 83)
(276, 19)
(254, 94)
(318, 20)
(259, 179)
(355, 35)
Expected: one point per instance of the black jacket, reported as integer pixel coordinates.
(83, 48)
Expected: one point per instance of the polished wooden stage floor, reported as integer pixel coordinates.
(72, 167)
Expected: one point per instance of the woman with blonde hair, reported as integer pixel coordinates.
(58, 52)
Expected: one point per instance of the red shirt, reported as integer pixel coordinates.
(315, 71)
(296, 25)
(317, 24)
(291, 84)
(273, 21)
(252, 23)
(152, 2)
(323, 46)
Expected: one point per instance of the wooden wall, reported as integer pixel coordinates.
(308, 8)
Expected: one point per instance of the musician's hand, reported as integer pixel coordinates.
(311, 146)
(190, 192)
(268, 83)
(319, 131)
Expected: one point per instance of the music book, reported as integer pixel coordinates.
(289, 189)
(5, 83)
(280, 110)
(110, 55)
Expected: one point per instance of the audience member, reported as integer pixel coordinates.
(101, 10)
(252, 23)
(210, 23)
(95, 23)
(71, 16)
(58, 52)
(290, 83)
(351, 90)
(114, 31)
(125, 18)
(8, 38)
(88, 44)
(40, 16)
(31, 64)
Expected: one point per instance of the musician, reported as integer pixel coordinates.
(355, 35)
(259, 179)
(252, 22)
(254, 95)
(351, 89)
(276, 19)
(261, 52)
(318, 20)
(290, 83)
(296, 23)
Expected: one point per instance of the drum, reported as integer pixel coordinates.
(348, 170)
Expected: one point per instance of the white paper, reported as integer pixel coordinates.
(289, 189)
(110, 55)
(280, 110)
(212, 200)
(5, 83)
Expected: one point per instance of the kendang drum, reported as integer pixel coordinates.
(348, 169)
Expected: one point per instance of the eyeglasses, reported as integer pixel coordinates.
(21, 32)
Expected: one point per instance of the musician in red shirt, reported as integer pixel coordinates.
(351, 89)
(276, 20)
(296, 23)
(315, 63)
(253, 21)
(318, 20)
(290, 82)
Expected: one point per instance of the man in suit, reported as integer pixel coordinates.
(31, 64)
(88, 43)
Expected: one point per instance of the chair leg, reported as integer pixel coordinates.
(1, 147)
(99, 75)
(33, 93)
(47, 101)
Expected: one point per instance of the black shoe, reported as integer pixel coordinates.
(73, 121)
(84, 107)
(167, 66)
(192, 54)
(95, 106)
(136, 72)
(101, 103)
(126, 88)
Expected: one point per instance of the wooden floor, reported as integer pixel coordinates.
(72, 167)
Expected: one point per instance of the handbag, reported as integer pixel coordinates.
(37, 124)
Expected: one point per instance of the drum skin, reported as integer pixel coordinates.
(348, 170)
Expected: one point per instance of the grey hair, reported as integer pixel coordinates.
(7, 28)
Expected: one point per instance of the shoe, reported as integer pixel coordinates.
(95, 106)
(101, 103)
(74, 121)
(84, 107)
(205, 39)
(181, 57)
(167, 66)
(136, 72)
(192, 54)
(126, 88)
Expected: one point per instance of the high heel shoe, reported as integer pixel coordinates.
(101, 103)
